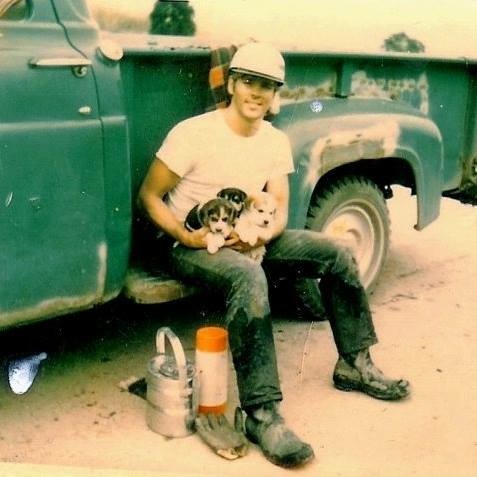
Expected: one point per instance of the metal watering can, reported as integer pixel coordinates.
(172, 389)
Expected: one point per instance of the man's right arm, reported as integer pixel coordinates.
(157, 183)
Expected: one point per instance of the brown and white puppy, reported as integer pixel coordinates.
(236, 196)
(257, 222)
(218, 215)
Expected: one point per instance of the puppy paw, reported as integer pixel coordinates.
(247, 237)
(214, 242)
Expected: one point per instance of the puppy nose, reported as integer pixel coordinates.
(266, 222)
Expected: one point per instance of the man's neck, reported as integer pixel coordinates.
(240, 125)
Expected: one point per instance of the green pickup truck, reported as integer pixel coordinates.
(81, 118)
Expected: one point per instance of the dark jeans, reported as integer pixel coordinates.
(244, 286)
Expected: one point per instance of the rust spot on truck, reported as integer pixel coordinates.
(362, 148)
(349, 145)
(414, 91)
(325, 89)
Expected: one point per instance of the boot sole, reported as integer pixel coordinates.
(344, 384)
(291, 461)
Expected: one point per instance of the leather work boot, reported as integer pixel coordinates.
(357, 372)
(265, 427)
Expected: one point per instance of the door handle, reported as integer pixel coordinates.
(59, 62)
(79, 66)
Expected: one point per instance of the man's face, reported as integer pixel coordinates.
(252, 95)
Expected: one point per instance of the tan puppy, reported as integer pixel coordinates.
(257, 222)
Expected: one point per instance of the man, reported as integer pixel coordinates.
(236, 147)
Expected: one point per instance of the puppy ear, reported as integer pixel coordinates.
(248, 202)
(204, 212)
(193, 221)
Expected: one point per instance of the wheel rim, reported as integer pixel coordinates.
(359, 225)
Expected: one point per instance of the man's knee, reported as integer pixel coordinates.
(338, 256)
(249, 290)
(250, 279)
(345, 263)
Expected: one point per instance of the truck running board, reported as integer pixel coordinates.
(145, 288)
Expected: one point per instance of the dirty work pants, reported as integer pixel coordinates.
(243, 284)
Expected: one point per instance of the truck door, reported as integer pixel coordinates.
(52, 249)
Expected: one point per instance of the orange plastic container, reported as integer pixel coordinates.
(211, 361)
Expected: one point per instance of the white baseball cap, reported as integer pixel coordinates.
(259, 59)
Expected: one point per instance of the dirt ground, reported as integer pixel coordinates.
(76, 417)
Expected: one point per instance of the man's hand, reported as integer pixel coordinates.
(235, 243)
(194, 239)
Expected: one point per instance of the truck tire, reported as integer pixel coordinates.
(353, 211)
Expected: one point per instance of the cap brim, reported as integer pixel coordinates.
(259, 75)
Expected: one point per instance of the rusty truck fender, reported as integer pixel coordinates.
(329, 135)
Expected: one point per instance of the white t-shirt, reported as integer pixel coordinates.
(209, 156)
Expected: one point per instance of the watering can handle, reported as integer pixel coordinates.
(177, 349)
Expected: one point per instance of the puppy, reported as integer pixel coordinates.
(218, 215)
(256, 222)
(236, 196)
